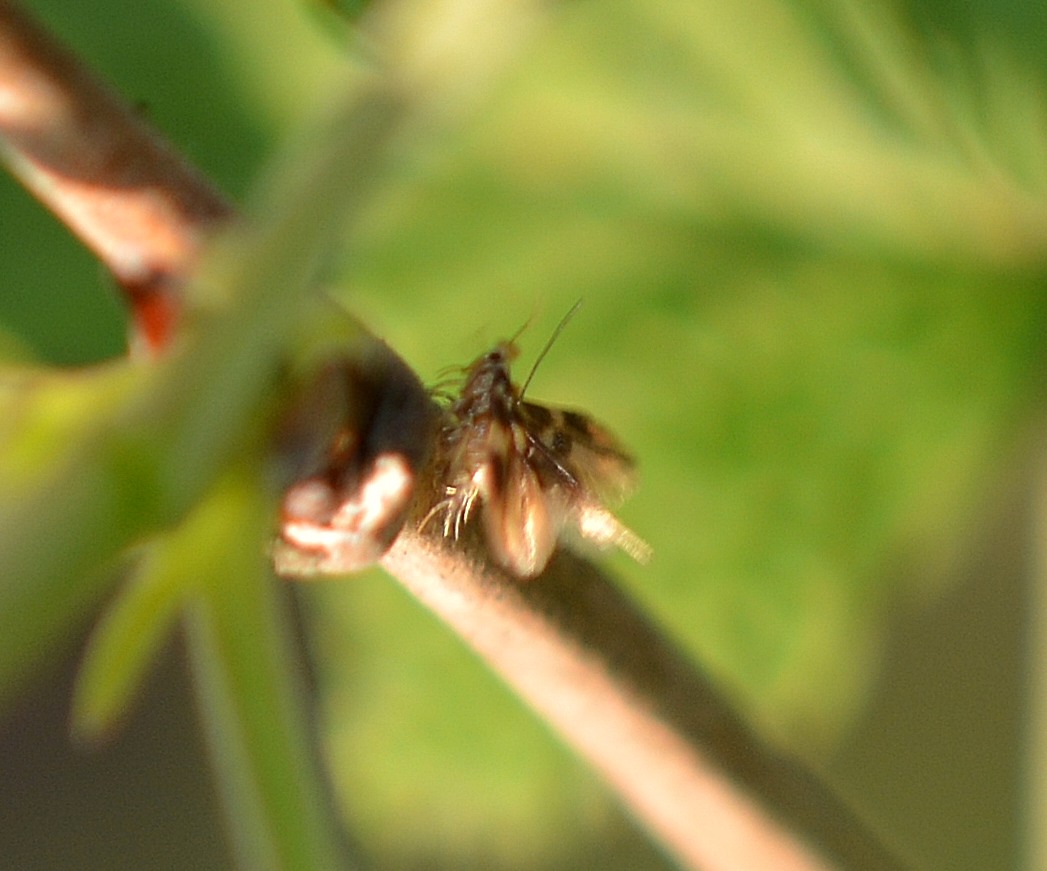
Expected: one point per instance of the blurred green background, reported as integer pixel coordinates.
(810, 241)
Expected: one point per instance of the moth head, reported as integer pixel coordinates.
(502, 354)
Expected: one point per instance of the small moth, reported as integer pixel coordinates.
(528, 470)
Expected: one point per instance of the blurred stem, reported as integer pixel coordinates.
(250, 701)
(99, 166)
(1036, 781)
(247, 300)
(138, 462)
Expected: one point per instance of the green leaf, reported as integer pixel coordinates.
(127, 638)
(251, 699)
(62, 519)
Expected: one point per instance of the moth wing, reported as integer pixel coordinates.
(581, 454)
(585, 464)
(522, 519)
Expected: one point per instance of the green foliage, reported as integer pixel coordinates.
(811, 251)
(810, 241)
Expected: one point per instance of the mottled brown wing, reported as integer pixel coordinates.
(577, 453)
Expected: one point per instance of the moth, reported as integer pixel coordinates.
(528, 470)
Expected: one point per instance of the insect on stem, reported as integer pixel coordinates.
(528, 470)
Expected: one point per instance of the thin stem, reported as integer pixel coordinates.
(669, 743)
(247, 688)
(100, 168)
(1036, 731)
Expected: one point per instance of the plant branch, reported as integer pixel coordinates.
(244, 670)
(104, 171)
(670, 744)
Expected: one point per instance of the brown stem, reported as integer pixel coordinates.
(97, 165)
(670, 744)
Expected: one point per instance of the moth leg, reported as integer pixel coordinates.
(463, 514)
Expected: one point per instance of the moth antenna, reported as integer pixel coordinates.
(548, 345)
(519, 332)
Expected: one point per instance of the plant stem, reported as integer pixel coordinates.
(109, 176)
(666, 740)
(251, 704)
